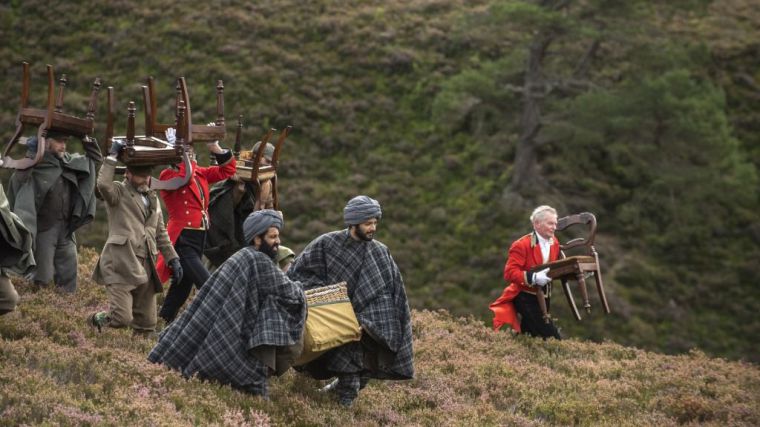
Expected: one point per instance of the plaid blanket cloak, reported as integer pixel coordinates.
(247, 303)
(377, 294)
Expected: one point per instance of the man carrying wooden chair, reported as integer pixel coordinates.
(525, 287)
(54, 198)
(127, 264)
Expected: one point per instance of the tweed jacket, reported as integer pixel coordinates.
(133, 231)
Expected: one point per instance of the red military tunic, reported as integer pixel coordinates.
(524, 254)
(188, 205)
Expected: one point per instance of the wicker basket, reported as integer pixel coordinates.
(331, 321)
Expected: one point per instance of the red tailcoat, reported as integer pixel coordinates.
(524, 253)
(185, 205)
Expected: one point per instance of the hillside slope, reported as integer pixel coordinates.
(418, 104)
(54, 369)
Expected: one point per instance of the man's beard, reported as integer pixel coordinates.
(142, 188)
(364, 236)
(270, 251)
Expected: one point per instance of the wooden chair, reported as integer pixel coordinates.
(193, 133)
(248, 162)
(144, 150)
(51, 118)
(577, 267)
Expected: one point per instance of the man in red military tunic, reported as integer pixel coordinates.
(519, 297)
(188, 222)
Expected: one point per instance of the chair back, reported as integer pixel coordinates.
(576, 221)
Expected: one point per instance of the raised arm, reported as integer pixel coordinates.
(225, 161)
(108, 190)
(92, 149)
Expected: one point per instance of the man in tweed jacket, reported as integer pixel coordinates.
(247, 320)
(377, 295)
(127, 263)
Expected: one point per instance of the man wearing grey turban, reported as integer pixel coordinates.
(262, 230)
(377, 295)
(246, 322)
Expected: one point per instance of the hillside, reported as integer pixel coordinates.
(56, 370)
(642, 112)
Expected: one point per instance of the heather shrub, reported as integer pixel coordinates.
(57, 370)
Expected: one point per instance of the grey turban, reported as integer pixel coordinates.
(268, 150)
(259, 222)
(361, 209)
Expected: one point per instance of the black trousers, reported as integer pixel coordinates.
(189, 247)
(532, 322)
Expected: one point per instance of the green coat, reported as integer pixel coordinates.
(15, 240)
(28, 188)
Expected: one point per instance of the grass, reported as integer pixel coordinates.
(56, 370)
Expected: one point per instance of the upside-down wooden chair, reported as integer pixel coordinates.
(576, 267)
(151, 148)
(248, 162)
(143, 150)
(51, 118)
(195, 133)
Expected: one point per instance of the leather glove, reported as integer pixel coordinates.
(116, 147)
(176, 270)
(540, 278)
(171, 135)
(90, 140)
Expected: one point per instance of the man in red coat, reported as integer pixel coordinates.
(519, 297)
(188, 222)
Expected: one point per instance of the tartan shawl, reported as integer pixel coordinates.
(245, 304)
(377, 295)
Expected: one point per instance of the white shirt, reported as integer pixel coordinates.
(545, 245)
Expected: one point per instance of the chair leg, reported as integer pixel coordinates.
(570, 300)
(600, 284)
(600, 288)
(584, 292)
(542, 304)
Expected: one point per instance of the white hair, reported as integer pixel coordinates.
(539, 214)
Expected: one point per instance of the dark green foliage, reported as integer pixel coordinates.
(418, 104)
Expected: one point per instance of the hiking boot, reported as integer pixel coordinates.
(99, 320)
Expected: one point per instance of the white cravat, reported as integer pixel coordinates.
(545, 245)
